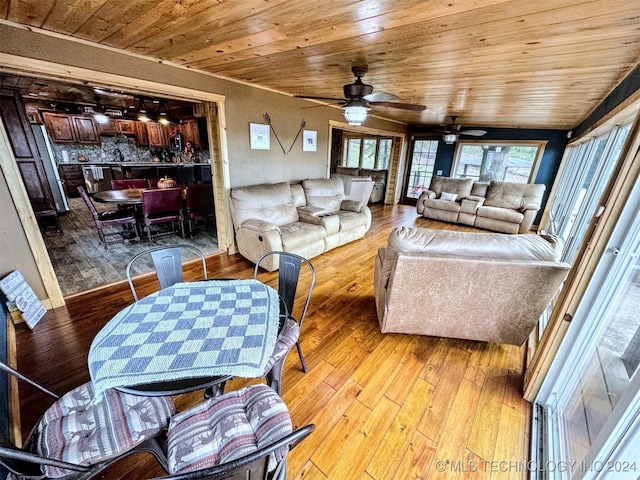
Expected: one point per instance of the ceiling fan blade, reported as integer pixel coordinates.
(320, 98)
(404, 106)
(381, 97)
(474, 133)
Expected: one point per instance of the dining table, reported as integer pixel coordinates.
(187, 337)
(127, 196)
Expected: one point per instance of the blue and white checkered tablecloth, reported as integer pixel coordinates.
(188, 330)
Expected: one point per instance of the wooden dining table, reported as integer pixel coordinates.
(127, 196)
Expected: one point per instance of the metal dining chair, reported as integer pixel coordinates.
(77, 438)
(243, 434)
(167, 262)
(162, 206)
(289, 272)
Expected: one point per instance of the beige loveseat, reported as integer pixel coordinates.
(499, 206)
(307, 218)
(478, 286)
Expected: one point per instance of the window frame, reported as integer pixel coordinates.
(348, 137)
(539, 144)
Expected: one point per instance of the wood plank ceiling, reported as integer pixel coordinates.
(510, 63)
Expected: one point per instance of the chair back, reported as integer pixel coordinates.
(199, 197)
(129, 183)
(167, 262)
(88, 202)
(289, 270)
(253, 466)
(161, 201)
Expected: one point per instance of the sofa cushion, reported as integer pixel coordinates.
(438, 204)
(516, 196)
(459, 186)
(349, 220)
(502, 214)
(448, 197)
(476, 245)
(479, 189)
(324, 192)
(354, 171)
(298, 234)
(272, 203)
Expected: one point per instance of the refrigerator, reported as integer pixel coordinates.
(50, 167)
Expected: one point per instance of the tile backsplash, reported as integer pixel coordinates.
(115, 150)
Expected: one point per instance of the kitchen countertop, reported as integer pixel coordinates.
(136, 164)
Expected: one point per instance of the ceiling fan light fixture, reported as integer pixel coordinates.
(450, 138)
(355, 115)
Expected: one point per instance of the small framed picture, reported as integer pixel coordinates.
(260, 135)
(309, 140)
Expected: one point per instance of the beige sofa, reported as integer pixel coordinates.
(477, 286)
(307, 218)
(352, 174)
(499, 206)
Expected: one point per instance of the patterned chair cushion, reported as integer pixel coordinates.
(287, 339)
(76, 431)
(227, 427)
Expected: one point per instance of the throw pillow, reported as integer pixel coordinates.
(448, 197)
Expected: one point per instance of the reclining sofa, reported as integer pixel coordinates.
(308, 219)
(477, 286)
(499, 206)
(354, 174)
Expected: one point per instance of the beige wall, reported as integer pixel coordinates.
(243, 105)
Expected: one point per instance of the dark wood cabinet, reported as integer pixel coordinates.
(65, 128)
(85, 130)
(158, 135)
(142, 137)
(59, 126)
(72, 177)
(25, 150)
(191, 133)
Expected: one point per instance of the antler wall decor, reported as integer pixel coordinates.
(267, 119)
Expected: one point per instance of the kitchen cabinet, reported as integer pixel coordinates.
(85, 130)
(158, 135)
(65, 128)
(142, 137)
(72, 176)
(25, 149)
(118, 126)
(190, 133)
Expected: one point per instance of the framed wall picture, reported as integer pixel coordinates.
(309, 140)
(260, 135)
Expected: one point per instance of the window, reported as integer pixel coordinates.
(367, 152)
(502, 161)
(423, 159)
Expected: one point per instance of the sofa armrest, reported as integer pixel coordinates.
(331, 223)
(260, 225)
(530, 206)
(351, 205)
(312, 211)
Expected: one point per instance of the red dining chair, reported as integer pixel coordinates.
(129, 183)
(162, 206)
(198, 205)
(110, 219)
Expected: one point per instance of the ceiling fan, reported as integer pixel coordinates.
(452, 132)
(359, 99)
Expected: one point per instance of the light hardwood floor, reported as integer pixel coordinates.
(386, 406)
